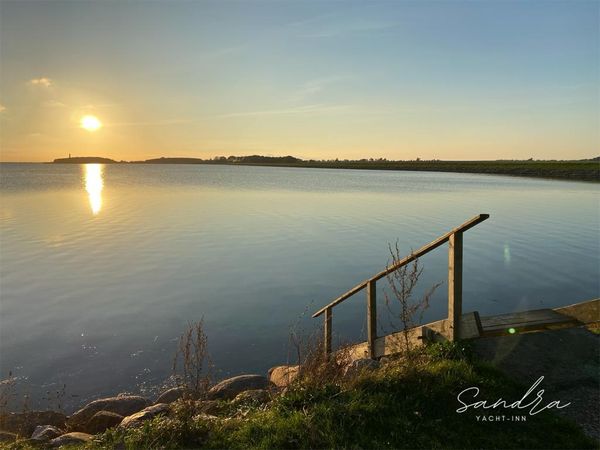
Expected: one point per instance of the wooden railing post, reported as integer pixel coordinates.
(455, 268)
(327, 332)
(371, 316)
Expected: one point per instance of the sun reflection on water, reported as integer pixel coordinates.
(94, 183)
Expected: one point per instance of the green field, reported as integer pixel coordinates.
(568, 170)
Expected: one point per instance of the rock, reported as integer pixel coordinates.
(71, 439)
(45, 433)
(205, 417)
(360, 365)
(210, 407)
(123, 405)
(283, 376)
(145, 414)
(171, 395)
(257, 396)
(102, 421)
(5, 436)
(24, 424)
(228, 389)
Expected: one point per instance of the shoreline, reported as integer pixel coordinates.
(586, 171)
(257, 411)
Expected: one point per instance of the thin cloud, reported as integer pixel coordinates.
(43, 81)
(152, 123)
(2, 108)
(54, 104)
(343, 29)
(313, 87)
(336, 24)
(301, 111)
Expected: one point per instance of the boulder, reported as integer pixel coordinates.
(228, 389)
(171, 395)
(71, 439)
(283, 376)
(102, 421)
(145, 414)
(210, 407)
(25, 423)
(359, 365)
(45, 433)
(123, 405)
(256, 396)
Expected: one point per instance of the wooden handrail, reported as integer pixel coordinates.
(414, 255)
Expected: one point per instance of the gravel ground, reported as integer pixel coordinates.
(568, 359)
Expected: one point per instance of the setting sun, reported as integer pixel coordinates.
(90, 123)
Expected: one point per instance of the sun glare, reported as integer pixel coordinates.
(94, 184)
(90, 123)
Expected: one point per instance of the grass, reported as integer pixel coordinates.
(395, 406)
(569, 170)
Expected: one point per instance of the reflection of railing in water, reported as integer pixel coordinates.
(455, 259)
(94, 184)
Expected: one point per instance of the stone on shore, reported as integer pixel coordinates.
(145, 414)
(45, 433)
(102, 421)
(25, 423)
(123, 405)
(210, 407)
(257, 396)
(171, 395)
(228, 389)
(71, 439)
(283, 376)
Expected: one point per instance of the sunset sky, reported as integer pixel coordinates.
(396, 79)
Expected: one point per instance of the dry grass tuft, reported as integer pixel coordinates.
(191, 364)
(402, 283)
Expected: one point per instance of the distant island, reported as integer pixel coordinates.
(578, 170)
(84, 160)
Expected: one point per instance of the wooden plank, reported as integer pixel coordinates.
(395, 342)
(327, 331)
(414, 255)
(455, 265)
(342, 297)
(525, 321)
(469, 326)
(371, 317)
(478, 322)
(529, 328)
(432, 245)
(545, 312)
(523, 317)
(528, 325)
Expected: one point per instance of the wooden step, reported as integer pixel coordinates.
(525, 321)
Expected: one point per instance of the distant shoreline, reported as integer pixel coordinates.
(584, 170)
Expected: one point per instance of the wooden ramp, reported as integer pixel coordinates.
(473, 327)
(457, 326)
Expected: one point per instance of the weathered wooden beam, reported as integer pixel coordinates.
(408, 259)
(455, 269)
(371, 317)
(327, 331)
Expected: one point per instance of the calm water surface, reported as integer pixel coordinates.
(102, 267)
